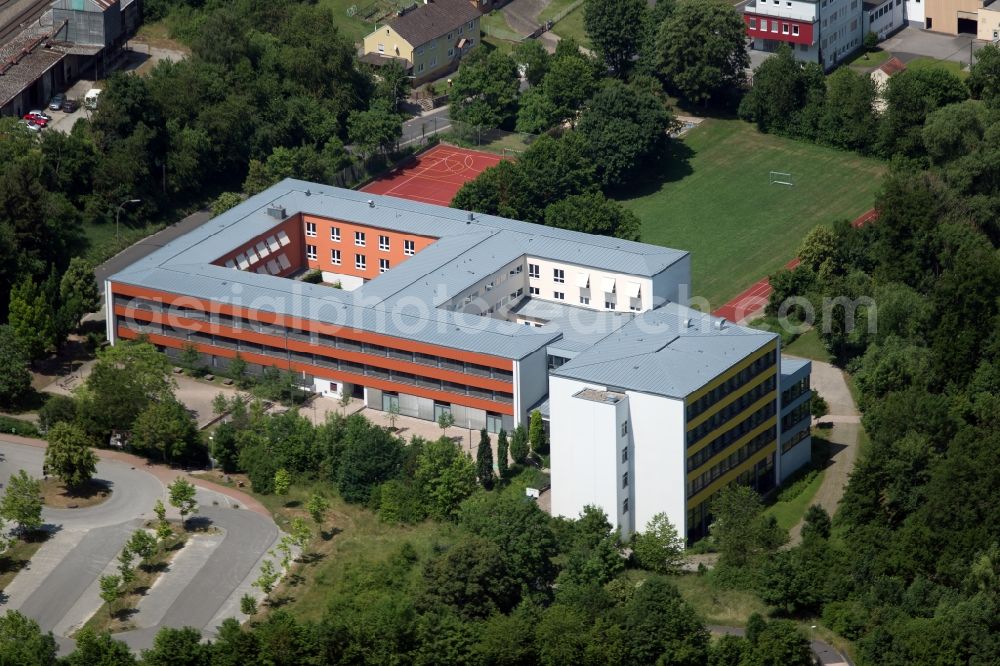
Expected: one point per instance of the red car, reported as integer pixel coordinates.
(39, 120)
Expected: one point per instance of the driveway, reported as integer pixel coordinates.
(911, 43)
(60, 590)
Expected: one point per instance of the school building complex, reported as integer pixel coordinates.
(651, 406)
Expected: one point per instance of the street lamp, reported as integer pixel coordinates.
(118, 215)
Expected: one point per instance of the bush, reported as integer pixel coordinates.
(796, 484)
(846, 618)
(57, 409)
(398, 502)
(313, 277)
(18, 427)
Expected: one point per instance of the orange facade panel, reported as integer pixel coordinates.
(348, 333)
(326, 373)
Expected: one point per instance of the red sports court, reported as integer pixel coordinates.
(435, 176)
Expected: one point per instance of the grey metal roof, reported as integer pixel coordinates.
(430, 21)
(581, 328)
(791, 365)
(401, 302)
(671, 351)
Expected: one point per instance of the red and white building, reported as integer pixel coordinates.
(820, 31)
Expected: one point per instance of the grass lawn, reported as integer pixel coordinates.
(356, 27)
(495, 25)
(556, 7)
(102, 243)
(56, 494)
(715, 604)
(932, 63)
(875, 58)
(18, 556)
(572, 26)
(713, 198)
(789, 513)
(808, 345)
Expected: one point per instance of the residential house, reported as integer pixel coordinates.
(429, 40)
(881, 78)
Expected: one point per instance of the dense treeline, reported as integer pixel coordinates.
(913, 577)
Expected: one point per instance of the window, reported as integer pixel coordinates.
(408, 248)
(774, 26)
(359, 238)
(335, 234)
(383, 265)
(310, 228)
(763, 25)
(381, 47)
(335, 257)
(625, 455)
(625, 480)
(585, 300)
(625, 505)
(753, 24)
(359, 262)
(383, 243)
(609, 305)
(449, 35)
(558, 275)
(451, 52)
(470, 25)
(533, 270)
(434, 61)
(624, 428)
(784, 28)
(534, 291)
(420, 50)
(420, 67)
(558, 295)
(310, 251)
(461, 29)
(795, 30)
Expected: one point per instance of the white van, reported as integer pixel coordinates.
(90, 99)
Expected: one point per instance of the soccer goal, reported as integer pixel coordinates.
(511, 153)
(781, 178)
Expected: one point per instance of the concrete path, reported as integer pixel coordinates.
(831, 384)
(179, 573)
(522, 15)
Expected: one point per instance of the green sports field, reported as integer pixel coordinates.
(714, 199)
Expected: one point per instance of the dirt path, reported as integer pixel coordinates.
(522, 15)
(844, 434)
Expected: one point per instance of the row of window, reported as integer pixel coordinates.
(312, 337)
(795, 390)
(319, 360)
(721, 417)
(761, 478)
(723, 441)
(360, 261)
(789, 420)
(759, 365)
(733, 460)
(774, 26)
(360, 239)
(789, 443)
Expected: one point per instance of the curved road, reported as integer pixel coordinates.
(60, 589)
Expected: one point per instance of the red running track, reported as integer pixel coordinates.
(754, 298)
(435, 176)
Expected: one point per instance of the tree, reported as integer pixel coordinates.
(165, 427)
(111, 591)
(498, 190)
(484, 92)
(984, 75)
(445, 420)
(376, 129)
(69, 457)
(22, 642)
(569, 83)
(78, 289)
(613, 27)
(226, 201)
(780, 642)
(484, 460)
(533, 58)
(818, 406)
(392, 84)
(142, 544)
(99, 649)
(444, 477)
(30, 319)
(393, 413)
(472, 579)
(593, 213)
(953, 131)
(819, 245)
(536, 112)
(502, 454)
(781, 88)
(659, 548)
(626, 128)
(848, 117)
(870, 42)
(125, 570)
(163, 529)
(816, 523)
(57, 409)
(183, 497)
(267, 578)
(22, 502)
(248, 605)
(519, 446)
(177, 647)
(536, 434)
(370, 455)
(740, 530)
(703, 49)
(910, 96)
(317, 506)
(659, 625)
(15, 378)
(282, 481)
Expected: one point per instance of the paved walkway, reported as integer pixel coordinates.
(831, 383)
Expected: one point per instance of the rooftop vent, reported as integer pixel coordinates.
(687, 322)
(471, 217)
(371, 203)
(277, 212)
(721, 324)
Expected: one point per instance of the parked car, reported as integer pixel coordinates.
(37, 120)
(31, 125)
(40, 114)
(70, 106)
(57, 101)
